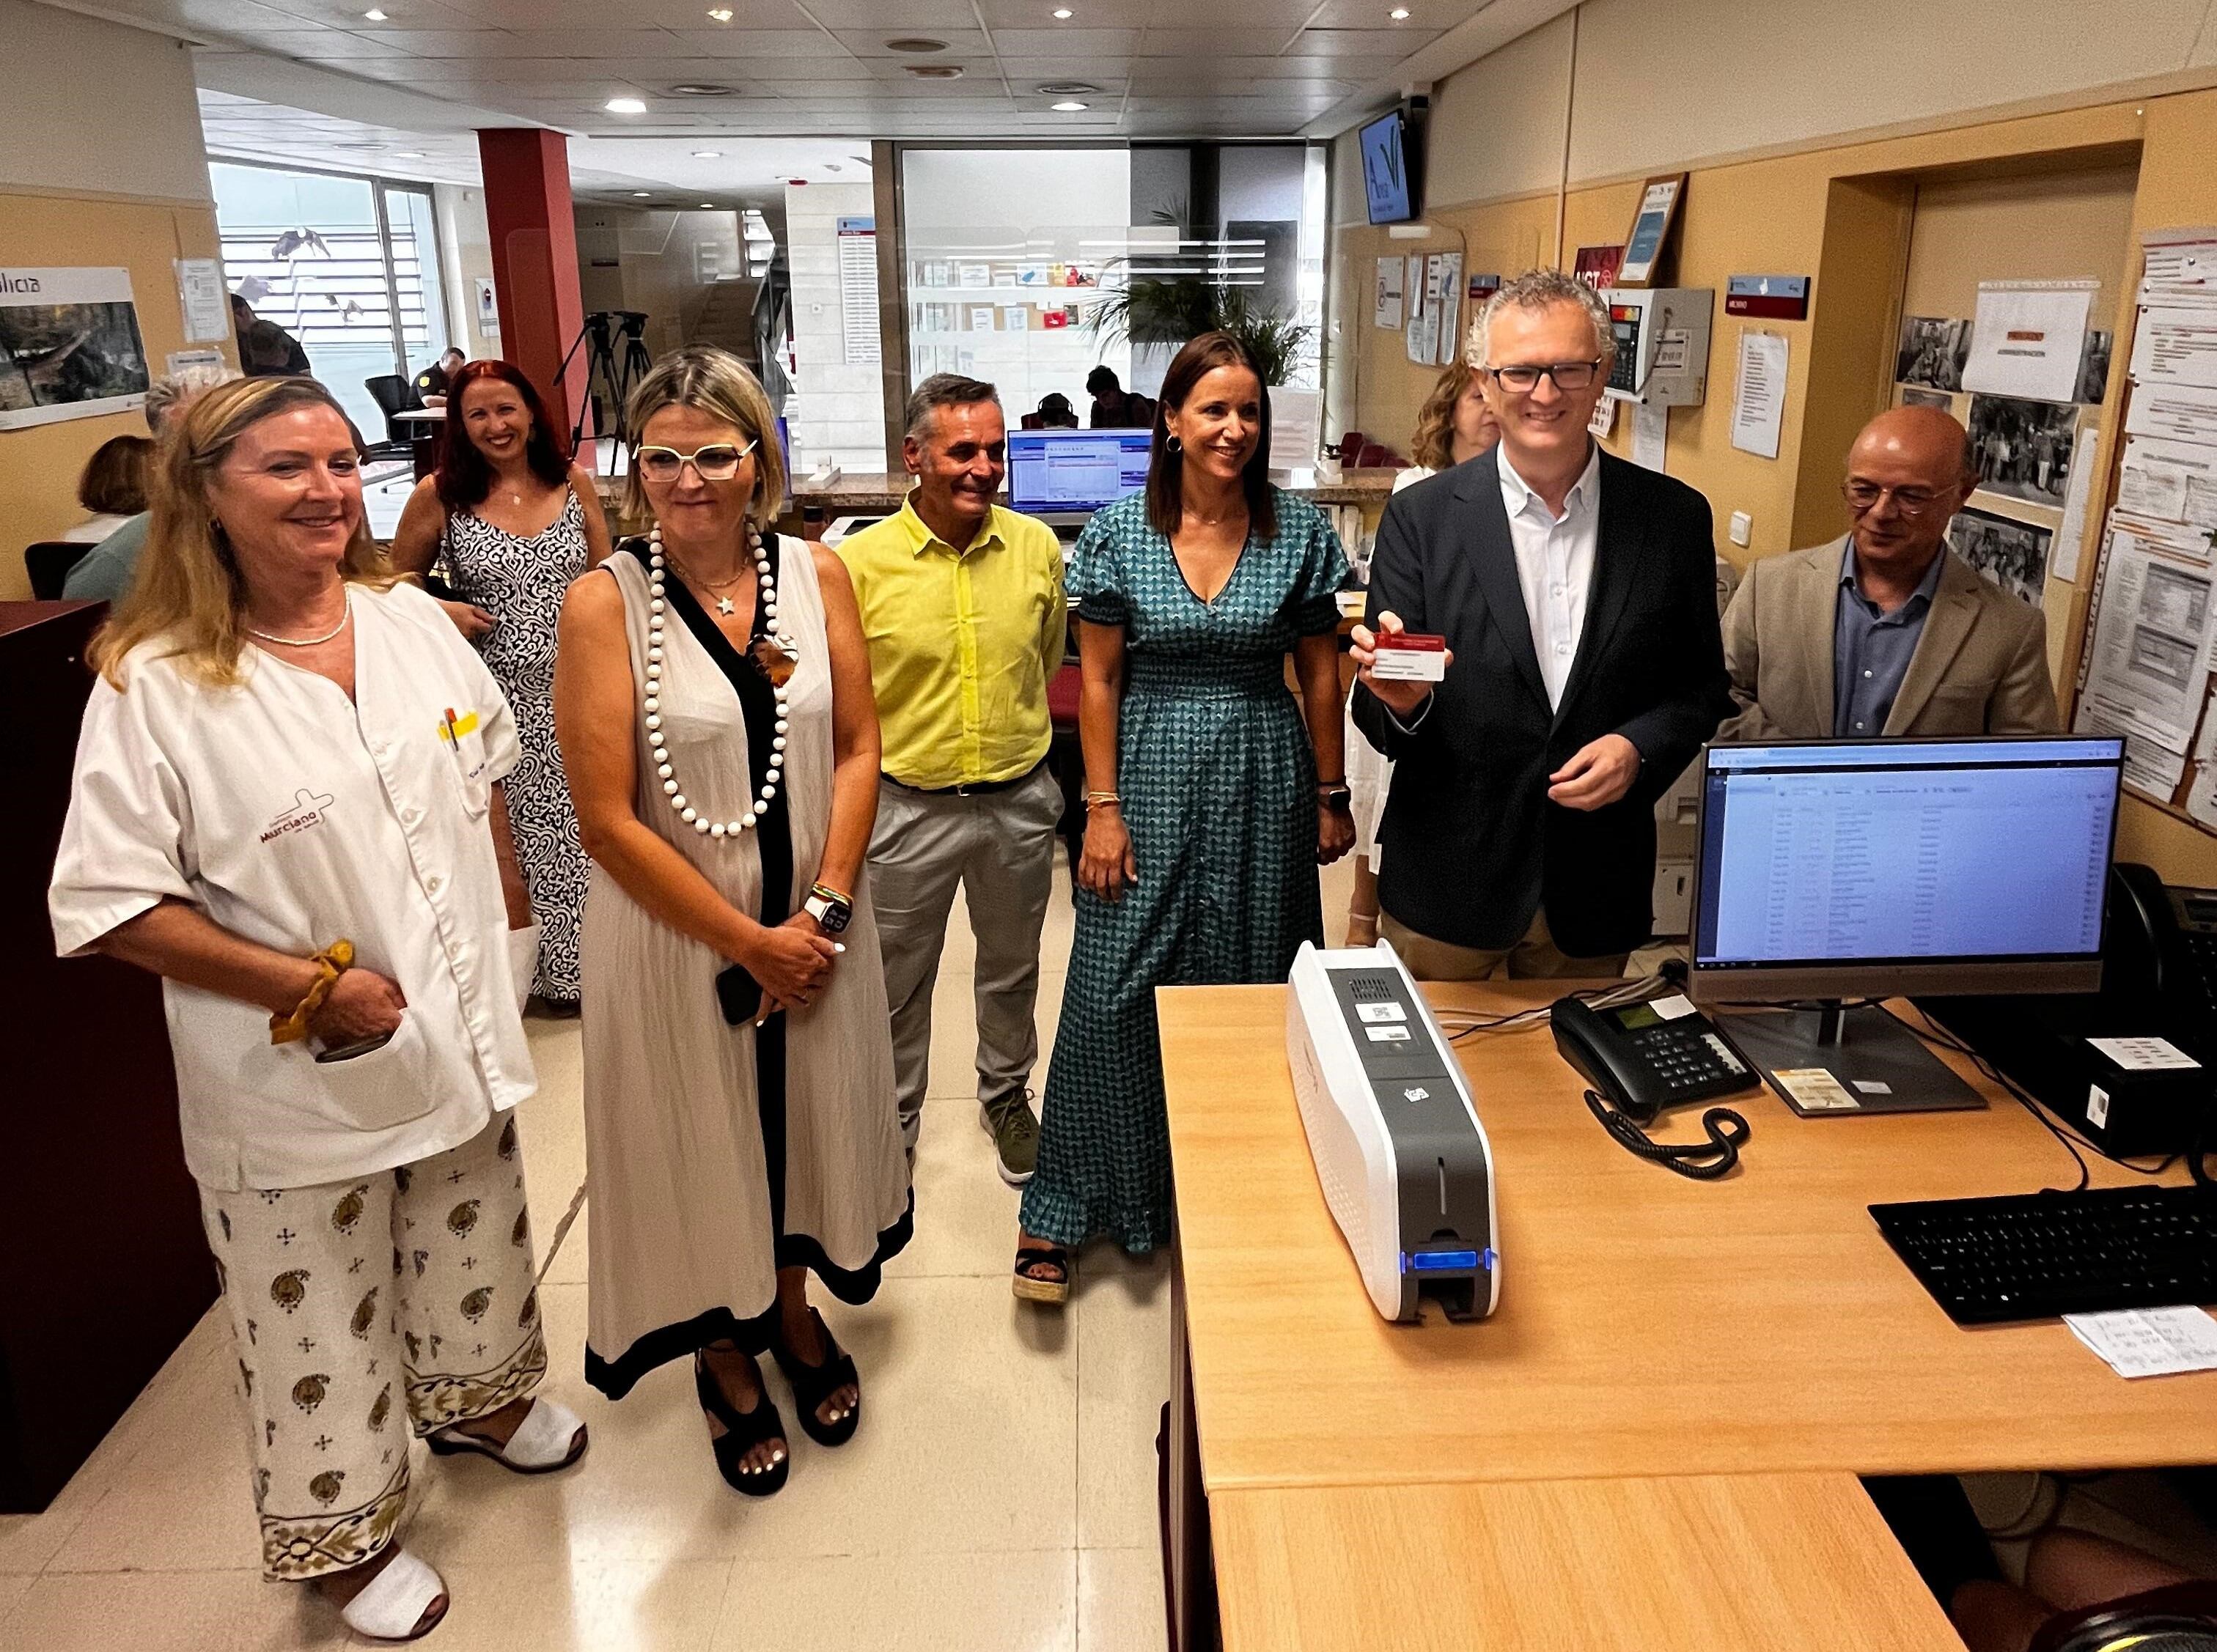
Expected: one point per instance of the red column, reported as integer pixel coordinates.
(535, 259)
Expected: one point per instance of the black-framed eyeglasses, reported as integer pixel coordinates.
(718, 462)
(1864, 496)
(1526, 375)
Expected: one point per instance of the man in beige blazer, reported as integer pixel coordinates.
(1886, 632)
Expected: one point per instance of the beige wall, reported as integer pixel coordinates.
(83, 183)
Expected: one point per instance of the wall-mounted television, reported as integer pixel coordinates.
(1391, 186)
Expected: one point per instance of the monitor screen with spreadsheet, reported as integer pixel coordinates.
(1055, 473)
(1855, 869)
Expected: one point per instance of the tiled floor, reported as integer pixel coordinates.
(1001, 1494)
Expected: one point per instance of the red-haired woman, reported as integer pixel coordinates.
(511, 521)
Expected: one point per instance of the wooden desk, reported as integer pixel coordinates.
(1649, 1327)
(1781, 1562)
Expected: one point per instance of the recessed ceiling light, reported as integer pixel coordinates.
(708, 154)
(1400, 13)
(626, 105)
(408, 155)
(935, 71)
(722, 14)
(1068, 106)
(642, 194)
(707, 206)
(374, 16)
(1063, 13)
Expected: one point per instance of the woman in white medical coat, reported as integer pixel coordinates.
(288, 804)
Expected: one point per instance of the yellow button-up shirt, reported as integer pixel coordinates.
(962, 643)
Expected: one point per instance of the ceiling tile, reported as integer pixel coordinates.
(1429, 16)
(1396, 43)
(799, 43)
(1204, 45)
(903, 17)
(1065, 42)
(323, 45)
(455, 43)
(1084, 14)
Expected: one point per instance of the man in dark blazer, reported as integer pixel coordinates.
(1578, 596)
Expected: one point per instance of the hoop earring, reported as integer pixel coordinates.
(1173, 447)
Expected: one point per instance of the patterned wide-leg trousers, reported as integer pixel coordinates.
(361, 1309)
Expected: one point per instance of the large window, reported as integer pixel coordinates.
(348, 266)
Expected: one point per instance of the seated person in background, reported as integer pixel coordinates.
(112, 487)
(2070, 1574)
(1115, 408)
(1055, 413)
(265, 349)
(431, 383)
(107, 570)
(1885, 632)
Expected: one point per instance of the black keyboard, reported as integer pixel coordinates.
(2037, 1255)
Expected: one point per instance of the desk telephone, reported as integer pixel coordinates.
(2160, 947)
(1644, 1057)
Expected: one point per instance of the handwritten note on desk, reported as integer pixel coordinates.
(2150, 1341)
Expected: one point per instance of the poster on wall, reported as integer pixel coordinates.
(2010, 553)
(1386, 300)
(1597, 266)
(488, 306)
(1932, 352)
(1451, 322)
(71, 342)
(2023, 448)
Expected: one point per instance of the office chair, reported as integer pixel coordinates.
(49, 562)
(391, 394)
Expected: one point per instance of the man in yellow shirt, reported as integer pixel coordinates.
(961, 603)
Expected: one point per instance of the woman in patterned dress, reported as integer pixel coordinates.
(514, 521)
(1207, 816)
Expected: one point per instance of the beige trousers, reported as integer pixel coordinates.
(1535, 957)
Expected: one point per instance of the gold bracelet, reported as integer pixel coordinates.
(1092, 797)
(334, 961)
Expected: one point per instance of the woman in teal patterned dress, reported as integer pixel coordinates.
(1207, 816)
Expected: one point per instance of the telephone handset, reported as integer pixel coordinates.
(2160, 947)
(1645, 1058)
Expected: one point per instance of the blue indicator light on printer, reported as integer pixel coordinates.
(1432, 1261)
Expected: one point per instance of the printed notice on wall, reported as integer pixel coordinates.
(206, 305)
(1386, 298)
(2027, 338)
(1759, 403)
(858, 288)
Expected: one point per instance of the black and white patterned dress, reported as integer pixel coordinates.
(520, 583)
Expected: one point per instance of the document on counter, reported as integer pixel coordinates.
(2027, 338)
(2180, 412)
(2150, 662)
(2175, 346)
(2150, 1341)
(1759, 400)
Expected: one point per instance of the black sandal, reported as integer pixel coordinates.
(743, 1432)
(1030, 1288)
(814, 1385)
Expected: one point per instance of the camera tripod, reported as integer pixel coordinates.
(611, 370)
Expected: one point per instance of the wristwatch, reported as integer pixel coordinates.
(832, 911)
(1338, 799)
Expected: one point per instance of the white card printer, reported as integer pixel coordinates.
(1403, 1162)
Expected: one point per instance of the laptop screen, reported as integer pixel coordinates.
(1055, 471)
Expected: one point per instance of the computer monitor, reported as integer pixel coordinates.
(1864, 869)
(1071, 473)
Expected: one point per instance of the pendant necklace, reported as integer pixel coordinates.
(657, 612)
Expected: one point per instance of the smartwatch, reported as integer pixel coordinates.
(832, 911)
(1338, 799)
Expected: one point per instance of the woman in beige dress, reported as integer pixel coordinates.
(712, 696)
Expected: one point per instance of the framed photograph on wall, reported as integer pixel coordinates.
(1651, 229)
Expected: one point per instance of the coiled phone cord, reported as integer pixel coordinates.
(1699, 1161)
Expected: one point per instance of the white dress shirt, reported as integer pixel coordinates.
(293, 816)
(1554, 565)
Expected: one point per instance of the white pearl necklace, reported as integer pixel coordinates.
(658, 611)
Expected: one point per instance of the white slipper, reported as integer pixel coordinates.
(394, 1603)
(551, 1436)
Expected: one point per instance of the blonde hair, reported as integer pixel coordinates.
(189, 591)
(1433, 446)
(716, 383)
